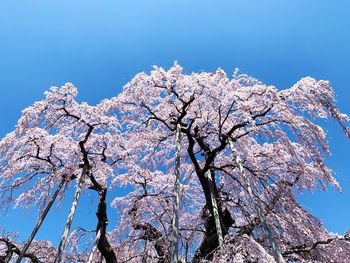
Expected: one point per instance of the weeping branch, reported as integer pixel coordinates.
(308, 248)
(12, 248)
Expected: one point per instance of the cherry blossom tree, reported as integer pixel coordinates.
(274, 133)
(54, 140)
(246, 149)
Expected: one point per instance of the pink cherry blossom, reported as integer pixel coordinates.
(127, 145)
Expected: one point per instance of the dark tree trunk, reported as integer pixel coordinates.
(13, 249)
(151, 234)
(103, 245)
(210, 240)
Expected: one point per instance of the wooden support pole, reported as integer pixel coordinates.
(70, 216)
(176, 207)
(40, 221)
(273, 242)
(214, 203)
(94, 247)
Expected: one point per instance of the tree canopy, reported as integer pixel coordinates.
(246, 150)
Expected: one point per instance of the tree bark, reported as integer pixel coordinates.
(151, 234)
(103, 245)
(210, 240)
(12, 248)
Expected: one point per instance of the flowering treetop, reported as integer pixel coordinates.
(128, 140)
(274, 132)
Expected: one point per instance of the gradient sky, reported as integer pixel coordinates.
(100, 45)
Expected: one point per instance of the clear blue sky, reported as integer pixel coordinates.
(100, 45)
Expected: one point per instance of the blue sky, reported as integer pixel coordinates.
(100, 45)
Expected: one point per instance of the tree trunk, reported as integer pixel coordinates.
(210, 240)
(151, 234)
(103, 245)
